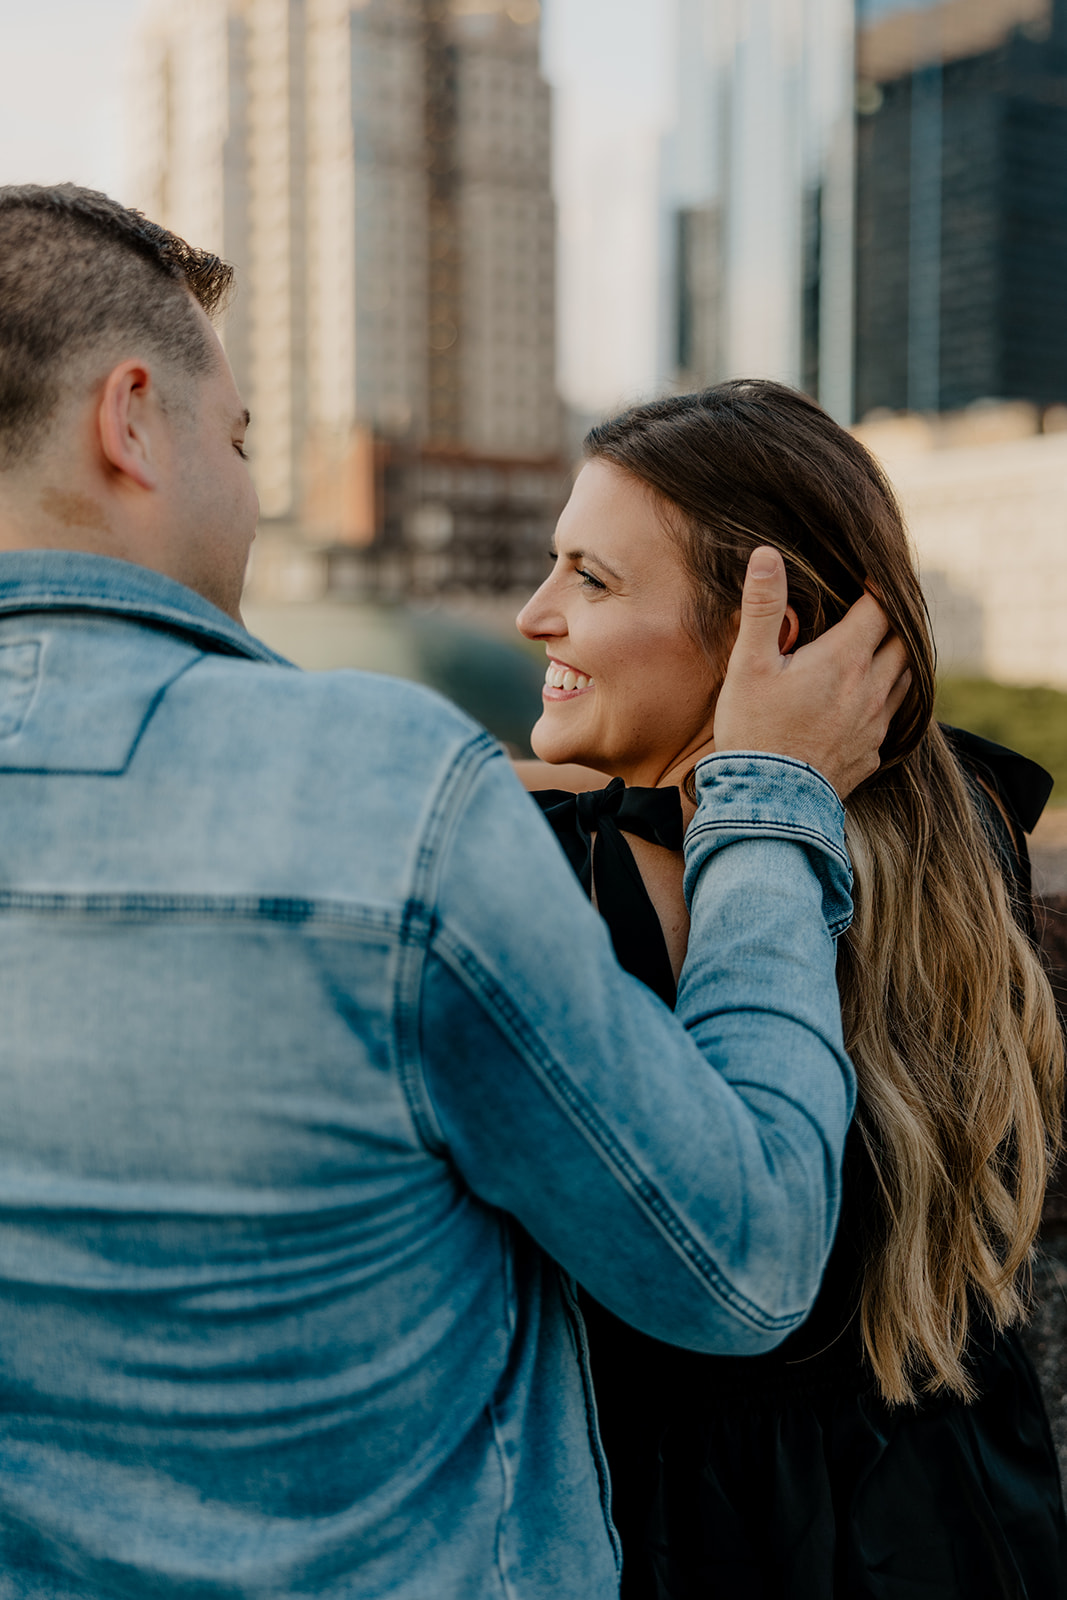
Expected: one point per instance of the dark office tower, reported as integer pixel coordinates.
(961, 216)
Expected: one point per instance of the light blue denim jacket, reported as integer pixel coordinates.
(314, 1062)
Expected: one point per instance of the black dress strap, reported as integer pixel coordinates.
(591, 828)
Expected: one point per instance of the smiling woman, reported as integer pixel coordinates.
(897, 1443)
(628, 690)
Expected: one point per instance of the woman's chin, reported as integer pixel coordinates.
(552, 745)
(552, 753)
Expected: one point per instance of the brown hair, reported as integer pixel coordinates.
(948, 1014)
(79, 271)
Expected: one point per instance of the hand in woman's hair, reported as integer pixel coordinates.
(829, 703)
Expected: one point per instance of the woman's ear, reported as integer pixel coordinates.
(789, 632)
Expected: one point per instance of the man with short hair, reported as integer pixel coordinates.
(315, 1061)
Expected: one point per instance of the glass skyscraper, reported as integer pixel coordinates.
(758, 182)
(961, 217)
(870, 200)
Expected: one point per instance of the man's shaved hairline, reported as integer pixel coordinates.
(86, 284)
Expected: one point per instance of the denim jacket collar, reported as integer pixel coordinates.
(72, 580)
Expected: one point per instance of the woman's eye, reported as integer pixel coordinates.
(240, 451)
(588, 581)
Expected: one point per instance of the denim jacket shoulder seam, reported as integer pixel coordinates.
(524, 1039)
(448, 801)
(419, 923)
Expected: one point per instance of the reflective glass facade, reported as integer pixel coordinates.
(961, 213)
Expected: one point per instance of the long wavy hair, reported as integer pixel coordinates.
(948, 1014)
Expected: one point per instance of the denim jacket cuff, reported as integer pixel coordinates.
(749, 795)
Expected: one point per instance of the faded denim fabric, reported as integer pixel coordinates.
(314, 1062)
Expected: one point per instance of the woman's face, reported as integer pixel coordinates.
(627, 690)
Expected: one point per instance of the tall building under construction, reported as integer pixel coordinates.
(379, 173)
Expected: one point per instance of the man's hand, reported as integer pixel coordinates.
(830, 703)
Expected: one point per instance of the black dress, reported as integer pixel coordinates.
(785, 1476)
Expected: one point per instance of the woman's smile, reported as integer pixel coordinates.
(563, 682)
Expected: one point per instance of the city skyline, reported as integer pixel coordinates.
(64, 95)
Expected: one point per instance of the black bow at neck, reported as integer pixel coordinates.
(590, 827)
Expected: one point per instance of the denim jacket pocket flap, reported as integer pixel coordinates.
(20, 664)
(49, 723)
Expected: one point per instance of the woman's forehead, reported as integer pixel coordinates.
(614, 513)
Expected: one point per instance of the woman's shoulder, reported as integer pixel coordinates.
(1021, 786)
(1010, 791)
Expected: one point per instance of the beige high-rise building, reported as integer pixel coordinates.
(368, 245)
(378, 172)
(505, 222)
(218, 157)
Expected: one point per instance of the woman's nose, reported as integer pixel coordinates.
(539, 619)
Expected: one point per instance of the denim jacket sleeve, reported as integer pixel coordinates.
(684, 1168)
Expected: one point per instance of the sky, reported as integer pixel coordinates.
(63, 77)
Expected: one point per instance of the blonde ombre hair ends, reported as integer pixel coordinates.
(948, 1013)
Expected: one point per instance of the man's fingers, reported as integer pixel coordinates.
(890, 659)
(864, 625)
(890, 675)
(763, 602)
(895, 698)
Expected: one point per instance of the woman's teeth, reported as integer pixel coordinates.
(557, 677)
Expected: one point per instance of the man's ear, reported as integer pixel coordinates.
(127, 418)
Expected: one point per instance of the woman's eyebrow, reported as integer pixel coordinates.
(591, 555)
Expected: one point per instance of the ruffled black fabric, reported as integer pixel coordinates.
(828, 1492)
(785, 1476)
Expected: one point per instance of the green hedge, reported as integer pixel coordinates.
(1032, 721)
